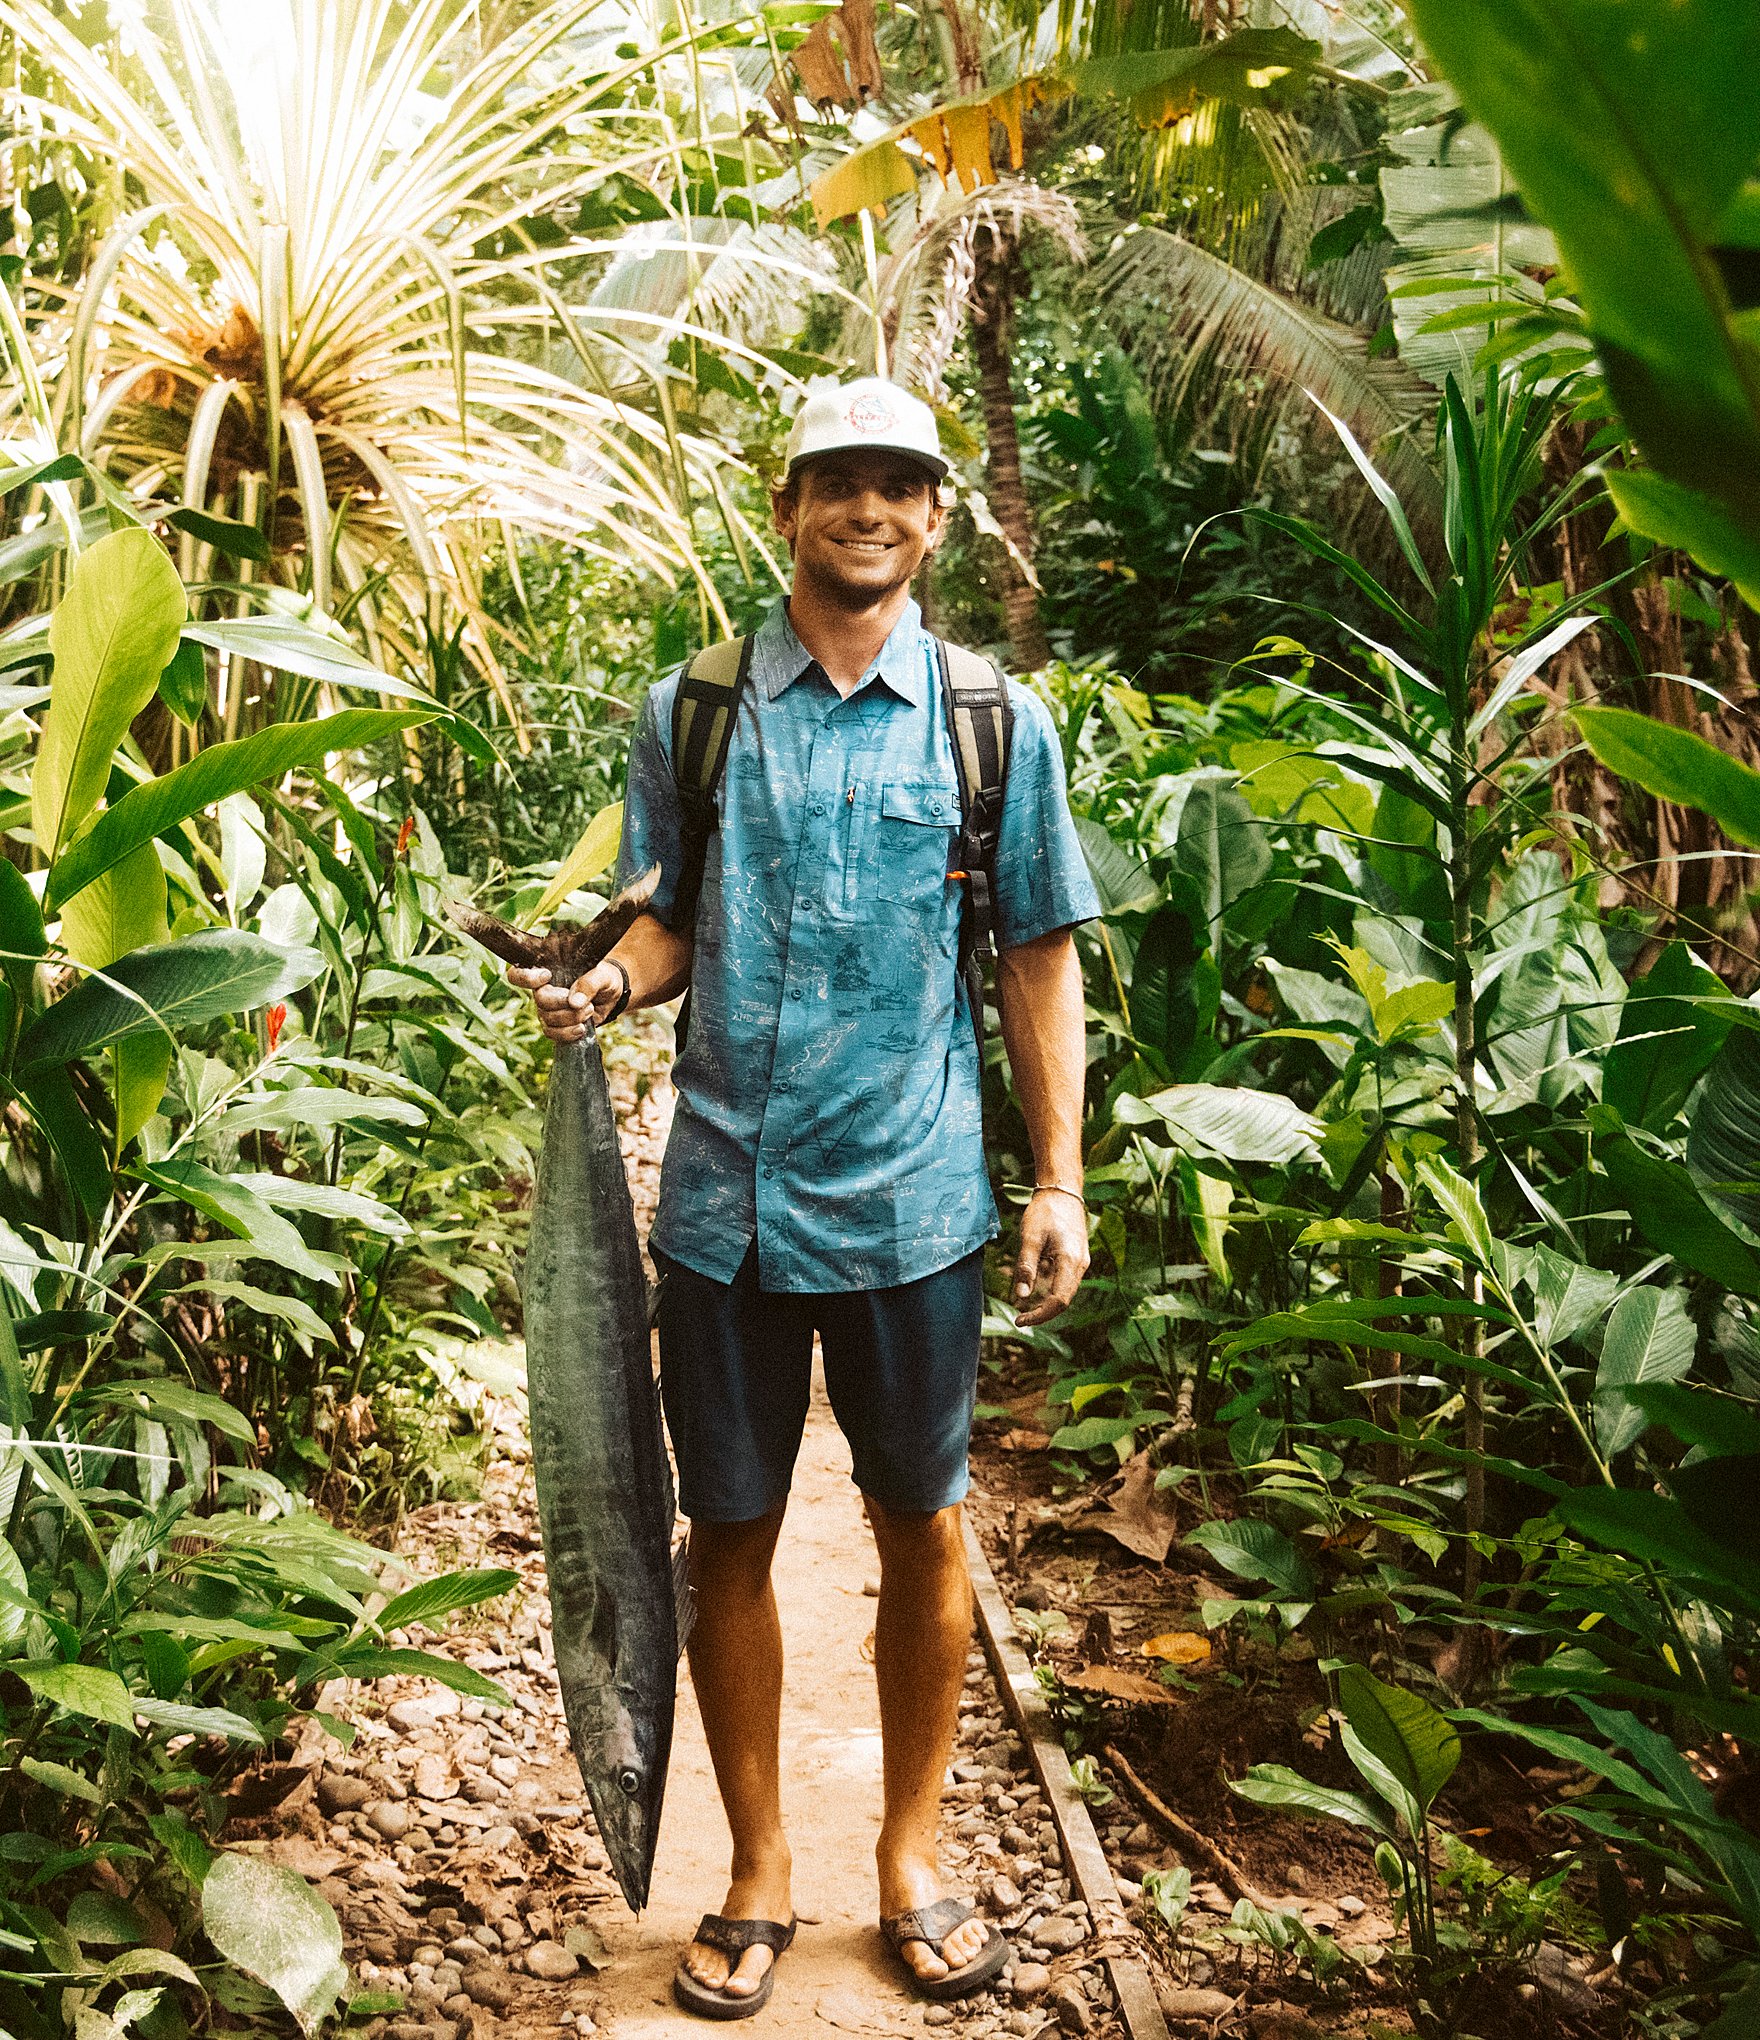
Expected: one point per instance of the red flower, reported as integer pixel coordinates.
(277, 1019)
(404, 834)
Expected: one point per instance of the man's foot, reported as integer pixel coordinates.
(764, 1895)
(915, 1887)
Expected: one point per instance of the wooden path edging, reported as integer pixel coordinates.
(1089, 1871)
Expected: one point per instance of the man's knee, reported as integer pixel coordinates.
(735, 1557)
(919, 1540)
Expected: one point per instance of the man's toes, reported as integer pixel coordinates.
(750, 1973)
(924, 1960)
(707, 1965)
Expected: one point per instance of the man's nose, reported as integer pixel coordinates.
(869, 508)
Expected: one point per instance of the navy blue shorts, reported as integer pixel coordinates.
(736, 1364)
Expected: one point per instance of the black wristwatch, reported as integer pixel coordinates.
(617, 1010)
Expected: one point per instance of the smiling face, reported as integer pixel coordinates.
(859, 524)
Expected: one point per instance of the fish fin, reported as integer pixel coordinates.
(500, 938)
(607, 928)
(684, 1598)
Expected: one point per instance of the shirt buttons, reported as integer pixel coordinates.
(795, 993)
(780, 1087)
(768, 1173)
(818, 807)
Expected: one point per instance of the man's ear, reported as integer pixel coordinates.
(785, 511)
(937, 526)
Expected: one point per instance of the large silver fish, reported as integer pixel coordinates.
(619, 1605)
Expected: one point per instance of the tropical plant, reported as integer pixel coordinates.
(348, 300)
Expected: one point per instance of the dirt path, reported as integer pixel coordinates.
(454, 1839)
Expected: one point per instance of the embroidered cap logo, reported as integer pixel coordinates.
(870, 414)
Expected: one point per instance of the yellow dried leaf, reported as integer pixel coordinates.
(1178, 1647)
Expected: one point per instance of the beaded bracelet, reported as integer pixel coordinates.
(1064, 1190)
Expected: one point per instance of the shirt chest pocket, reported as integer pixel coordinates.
(903, 834)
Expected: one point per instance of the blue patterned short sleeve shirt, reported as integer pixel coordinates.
(828, 1090)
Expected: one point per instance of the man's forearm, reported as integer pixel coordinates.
(658, 961)
(1039, 992)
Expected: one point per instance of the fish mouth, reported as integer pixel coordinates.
(629, 1828)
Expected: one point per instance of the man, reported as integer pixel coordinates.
(825, 1169)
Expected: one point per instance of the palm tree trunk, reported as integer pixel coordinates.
(992, 308)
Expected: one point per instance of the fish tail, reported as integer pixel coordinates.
(500, 938)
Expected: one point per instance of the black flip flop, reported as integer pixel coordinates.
(732, 1938)
(933, 1924)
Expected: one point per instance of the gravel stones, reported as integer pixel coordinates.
(433, 1777)
(425, 1710)
(1005, 1895)
(489, 1984)
(339, 1792)
(1191, 2004)
(1058, 1936)
(938, 2015)
(389, 1819)
(1031, 1980)
(1071, 2007)
(551, 1963)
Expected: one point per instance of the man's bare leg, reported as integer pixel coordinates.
(921, 1636)
(736, 1668)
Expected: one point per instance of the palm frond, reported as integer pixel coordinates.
(328, 295)
(1204, 334)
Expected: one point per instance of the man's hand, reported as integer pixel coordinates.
(1053, 1257)
(565, 1009)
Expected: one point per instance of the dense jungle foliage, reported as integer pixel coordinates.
(1357, 417)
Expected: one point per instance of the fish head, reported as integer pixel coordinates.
(626, 1787)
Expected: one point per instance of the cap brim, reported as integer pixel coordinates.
(935, 466)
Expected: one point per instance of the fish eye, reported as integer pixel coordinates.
(629, 1781)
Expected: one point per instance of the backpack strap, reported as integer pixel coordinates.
(705, 708)
(980, 726)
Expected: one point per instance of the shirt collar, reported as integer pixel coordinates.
(779, 658)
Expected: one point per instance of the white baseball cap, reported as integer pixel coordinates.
(870, 413)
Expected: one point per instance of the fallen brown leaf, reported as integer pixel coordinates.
(1137, 1514)
(1024, 1441)
(1178, 1647)
(1110, 1682)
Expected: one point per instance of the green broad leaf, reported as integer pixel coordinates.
(1723, 543)
(60, 467)
(182, 1844)
(1696, 1416)
(230, 1202)
(1657, 1530)
(290, 1310)
(103, 1918)
(1256, 1550)
(1568, 1298)
(1403, 1731)
(1176, 988)
(85, 1159)
(1674, 764)
(1668, 1209)
(1740, 2016)
(317, 1108)
(294, 647)
(1668, 1035)
(178, 1400)
(59, 1778)
(21, 934)
(166, 989)
(183, 686)
(112, 634)
(592, 855)
(434, 1598)
(1093, 1432)
(275, 1927)
(1650, 1338)
(1723, 1137)
(1122, 880)
(1569, 1749)
(1460, 1203)
(176, 1719)
(88, 1690)
(152, 810)
(368, 1661)
(1276, 1786)
(1213, 1123)
(324, 1200)
(225, 534)
(15, 1602)
(1221, 847)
